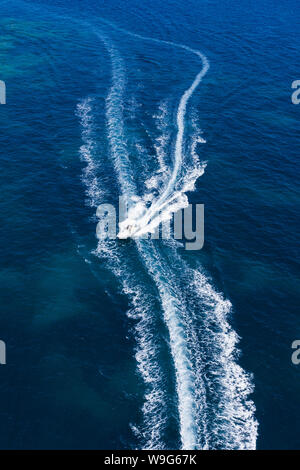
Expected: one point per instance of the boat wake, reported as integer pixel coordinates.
(211, 392)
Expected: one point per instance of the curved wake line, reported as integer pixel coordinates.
(166, 197)
(180, 126)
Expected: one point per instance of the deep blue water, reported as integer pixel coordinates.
(113, 344)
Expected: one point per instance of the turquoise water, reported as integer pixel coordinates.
(143, 344)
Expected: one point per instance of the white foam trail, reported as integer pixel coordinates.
(170, 305)
(228, 420)
(160, 203)
(196, 168)
(162, 141)
(150, 433)
(114, 114)
(185, 373)
(160, 145)
(180, 126)
(141, 304)
(231, 420)
(87, 150)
